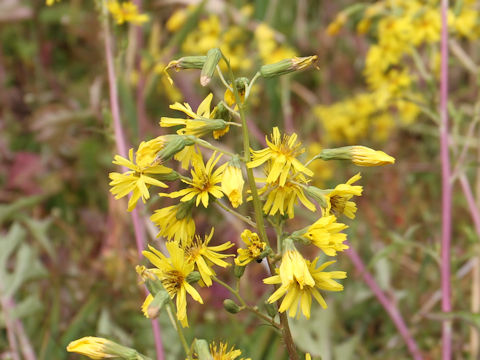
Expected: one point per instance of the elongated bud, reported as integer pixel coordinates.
(287, 66)
(171, 176)
(174, 144)
(193, 277)
(271, 309)
(208, 69)
(238, 271)
(232, 182)
(100, 348)
(359, 155)
(184, 209)
(318, 195)
(202, 350)
(186, 62)
(159, 301)
(231, 306)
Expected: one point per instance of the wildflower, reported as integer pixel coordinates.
(282, 155)
(283, 198)
(336, 25)
(100, 348)
(204, 182)
(232, 182)
(187, 156)
(201, 122)
(297, 293)
(203, 256)
(126, 12)
(287, 66)
(51, 2)
(253, 250)
(325, 234)
(364, 156)
(217, 351)
(173, 272)
(294, 267)
(338, 199)
(176, 222)
(137, 180)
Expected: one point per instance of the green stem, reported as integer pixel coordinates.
(236, 214)
(176, 324)
(250, 85)
(207, 145)
(287, 336)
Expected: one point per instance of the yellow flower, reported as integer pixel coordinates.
(126, 12)
(300, 294)
(253, 250)
(176, 222)
(294, 267)
(204, 256)
(336, 25)
(137, 180)
(51, 2)
(338, 199)
(325, 234)
(100, 348)
(364, 156)
(232, 183)
(204, 182)
(221, 352)
(146, 304)
(173, 272)
(281, 154)
(201, 123)
(283, 198)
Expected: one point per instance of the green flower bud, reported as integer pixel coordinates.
(187, 62)
(238, 271)
(158, 302)
(184, 209)
(193, 277)
(208, 69)
(175, 144)
(287, 66)
(318, 195)
(231, 306)
(271, 309)
(202, 350)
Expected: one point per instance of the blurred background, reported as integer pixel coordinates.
(67, 249)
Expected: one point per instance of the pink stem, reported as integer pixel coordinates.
(386, 303)
(138, 226)
(446, 189)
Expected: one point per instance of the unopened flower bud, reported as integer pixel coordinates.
(156, 305)
(231, 306)
(318, 195)
(238, 271)
(271, 309)
(232, 182)
(173, 145)
(184, 209)
(202, 350)
(100, 348)
(211, 62)
(193, 277)
(287, 66)
(359, 155)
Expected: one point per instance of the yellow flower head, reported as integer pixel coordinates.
(298, 294)
(281, 153)
(221, 352)
(126, 12)
(137, 180)
(204, 182)
(204, 256)
(232, 183)
(325, 234)
(176, 222)
(100, 348)
(254, 248)
(339, 198)
(294, 267)
(201, 123)
(336, 25)
(283, 198)
(364, 156)
(173, 272)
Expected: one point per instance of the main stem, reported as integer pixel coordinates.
(122, 149)
(287, 336)
(446, 189)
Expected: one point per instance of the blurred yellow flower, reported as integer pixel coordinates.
(126, 12)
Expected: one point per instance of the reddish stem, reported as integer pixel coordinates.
(138, 226)
(387, 304)
(446, 188)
